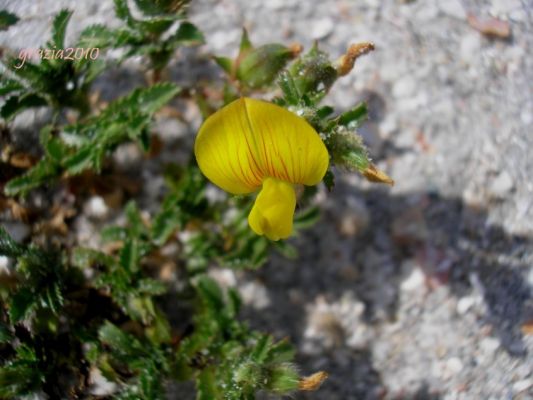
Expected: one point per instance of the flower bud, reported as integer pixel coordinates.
(260, 66)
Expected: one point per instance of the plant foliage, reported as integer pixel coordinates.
(71, 315)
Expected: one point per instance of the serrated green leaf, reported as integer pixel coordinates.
(122, 11)
(188, 34)
(59, 28)
(122, 343)
(307, 218)
(40, 174)
(151, 287)
(80, 161)
(96, 36)
(16, 104)
(165, 223)
(85, 258)
(8, 247)
(7, 19)
(8, 86)
(210, 292)
(354, 116)
(158, 7)
(5, 335)
(21, 304)
(19, 378)
(261, 349)
(152, 99)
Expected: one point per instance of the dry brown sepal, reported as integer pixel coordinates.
(375, 175)
(312, 382)
(346, 62)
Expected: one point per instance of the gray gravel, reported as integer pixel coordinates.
(416, 292)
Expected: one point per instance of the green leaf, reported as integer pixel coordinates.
(96, 36)
(129, 255)
(307, 218)
(354, 116)
(19, 378)
(210, 292)
(158, 7)
(8, 86)
(8, 247)
(5, 335)
(260, 66)
(80, 161)
(122, 343)
(207, 387)
(188, 34)
(122, 11)
(7, 19)
(59, 28)
(152, 99)
(85, 258)
(246, 44)
(286, 249)
(40, 174)
(151, 287)
(280, 352)
(225, 63)
(16, 104)
(283, 379)
(261, 349)
(329, 180)
(22, 303)
(288, 86)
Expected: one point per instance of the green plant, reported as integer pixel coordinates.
(66, 310)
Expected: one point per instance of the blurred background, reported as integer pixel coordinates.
(419, 291)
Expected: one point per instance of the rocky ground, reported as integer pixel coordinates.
(423, 290)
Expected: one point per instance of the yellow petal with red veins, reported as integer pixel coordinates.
(249, 140)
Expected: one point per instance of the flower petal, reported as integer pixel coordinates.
(289, 148)
(249, 140)
(223, 151)
(273, 210)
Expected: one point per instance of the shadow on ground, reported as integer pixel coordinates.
(452, 244)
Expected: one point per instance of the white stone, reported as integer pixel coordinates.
(321, 28)
(255, 294)
(452, 367)
(225, 277)
(452, 8)
(405, 87)
(526, 116)
(503, 8)
(470, 47)
(415, 280)
(489, 345)
(501, 185)
(523, 385)
(464, 304)
(96, 207)
(4, 264)
(100, 386)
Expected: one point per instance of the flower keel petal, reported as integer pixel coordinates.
(273, 210)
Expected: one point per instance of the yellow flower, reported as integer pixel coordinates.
(251, 144)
